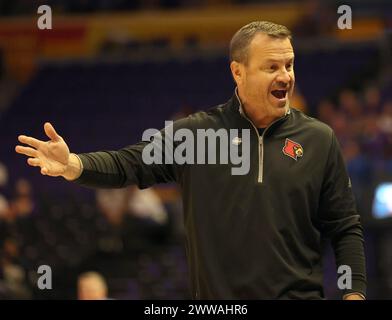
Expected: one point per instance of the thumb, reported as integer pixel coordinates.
(51, 132)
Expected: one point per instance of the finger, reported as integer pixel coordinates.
(44, 171)
(27, 151)
(51, 132)
(34, 162)
(30, 141)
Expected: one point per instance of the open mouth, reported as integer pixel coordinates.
(279, 94)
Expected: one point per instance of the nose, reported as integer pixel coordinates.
(283, 78)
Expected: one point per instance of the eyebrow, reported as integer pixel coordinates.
(280, 60)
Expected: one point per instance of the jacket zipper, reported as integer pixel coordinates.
(261, 147)
(260, 139)
(261, 158)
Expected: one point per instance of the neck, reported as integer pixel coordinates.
(259, 117)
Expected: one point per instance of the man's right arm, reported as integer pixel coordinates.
(131, 165)
(120, 168)
(102, 169)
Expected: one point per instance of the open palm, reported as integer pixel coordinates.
(51, 156)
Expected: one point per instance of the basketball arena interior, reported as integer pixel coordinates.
(107, 70)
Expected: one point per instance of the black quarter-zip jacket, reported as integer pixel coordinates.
(254, 236)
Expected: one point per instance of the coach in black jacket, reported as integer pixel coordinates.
(255, 235)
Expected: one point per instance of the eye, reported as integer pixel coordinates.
(289, 66)
(273, 67)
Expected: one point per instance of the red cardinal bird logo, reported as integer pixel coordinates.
(293, 149)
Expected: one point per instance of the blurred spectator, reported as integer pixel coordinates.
(13, 277)
(372, 101)
(12, 223)
(360, 172)
(114, 236)
(373, 139)
(136, 219)
(298, 101)
(113, 204)
(350, 107)
(350, 104)
(17, 211)
(326, 111)
(92, 286)
(339, 125)
(385, 120)
(23, 202)
(147, 204)
(3, 182)
(3, 207)
(385, 125)
(3, 175)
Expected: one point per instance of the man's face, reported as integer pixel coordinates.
(266, 81)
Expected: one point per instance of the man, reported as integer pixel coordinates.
(92, 286)
(252, 236)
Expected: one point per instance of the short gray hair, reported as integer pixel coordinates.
(241, 40)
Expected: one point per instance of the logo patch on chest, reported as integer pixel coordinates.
(293, 149)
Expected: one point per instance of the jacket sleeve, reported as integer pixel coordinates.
(340, 221)
(128, 166)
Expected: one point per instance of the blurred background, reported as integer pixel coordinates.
(108, 69)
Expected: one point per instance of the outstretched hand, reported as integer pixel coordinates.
(51, 156)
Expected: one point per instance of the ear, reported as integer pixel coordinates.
(237, 71)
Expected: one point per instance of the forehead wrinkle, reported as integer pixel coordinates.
(278, 51)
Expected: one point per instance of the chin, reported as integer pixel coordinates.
(281, 107)
(285, 105)
(280, 111)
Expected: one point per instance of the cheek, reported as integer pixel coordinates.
(293, 82)
(292, 76)
(261, 82)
